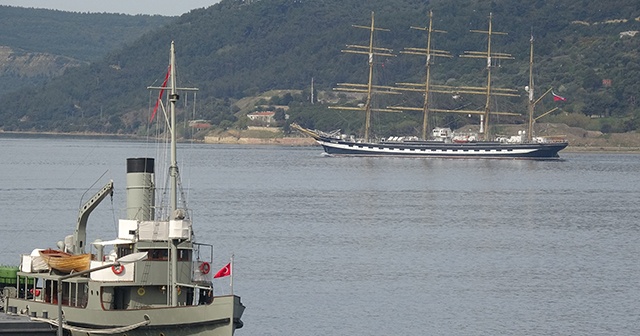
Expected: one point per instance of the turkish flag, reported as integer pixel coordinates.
(223, 272)
(558, 98)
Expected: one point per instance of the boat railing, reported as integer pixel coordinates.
(555, 139)
(201, 270)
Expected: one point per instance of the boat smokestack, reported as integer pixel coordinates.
(140, 189)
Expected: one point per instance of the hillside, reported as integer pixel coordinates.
(238, 49)
(39, 44)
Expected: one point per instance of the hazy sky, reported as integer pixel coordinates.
(161, 7)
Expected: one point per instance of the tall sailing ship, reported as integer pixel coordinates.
(156, 281)
(442, 142)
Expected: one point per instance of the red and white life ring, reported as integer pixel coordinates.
(117, 269)
(205, 268)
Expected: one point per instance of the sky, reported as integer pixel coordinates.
(133, 7)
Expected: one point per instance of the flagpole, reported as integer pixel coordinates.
(231, 281)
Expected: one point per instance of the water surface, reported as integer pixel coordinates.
(370, 246)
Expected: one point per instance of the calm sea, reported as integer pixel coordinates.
(370, 246)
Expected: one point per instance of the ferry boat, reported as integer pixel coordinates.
(156, 281)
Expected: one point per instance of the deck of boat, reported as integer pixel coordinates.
(17, 324)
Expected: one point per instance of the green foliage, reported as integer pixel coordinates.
(236, 49)
(85, 37)
(575, 120)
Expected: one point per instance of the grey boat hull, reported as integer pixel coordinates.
(220, 318)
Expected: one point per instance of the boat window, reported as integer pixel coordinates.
(73, 294)
(184, 255)
(79, 295)
(124, 250)
(50, 291)
(158, 255)
(163, 255)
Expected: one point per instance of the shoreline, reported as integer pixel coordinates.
(69, 135)
(285, 141)
(601, 149)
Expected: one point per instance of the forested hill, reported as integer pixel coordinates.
(37, 44)
(82, 36)
(239, 48)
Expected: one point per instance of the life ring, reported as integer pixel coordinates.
(141, 291)
(117, 269)
(205, 268)
(34, 292)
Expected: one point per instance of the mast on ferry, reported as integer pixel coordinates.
(173, 169)
(369, 89)
(174, 175)
(173, 178)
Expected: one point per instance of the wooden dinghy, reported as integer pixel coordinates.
(66, 262)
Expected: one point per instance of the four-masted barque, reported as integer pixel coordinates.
(442, 143)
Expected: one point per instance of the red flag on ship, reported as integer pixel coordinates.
(558, 98)
(164, 85)
(223, 272)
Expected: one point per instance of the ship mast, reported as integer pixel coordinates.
(174, 175)
(532, 103)
(430, 55)
(489, 55)
(369, 89)
(426, 88)
(530, 92)
(173, 168)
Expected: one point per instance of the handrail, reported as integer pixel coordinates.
(96, 331)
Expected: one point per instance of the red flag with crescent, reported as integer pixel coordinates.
(558, 98)
(223, 272)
